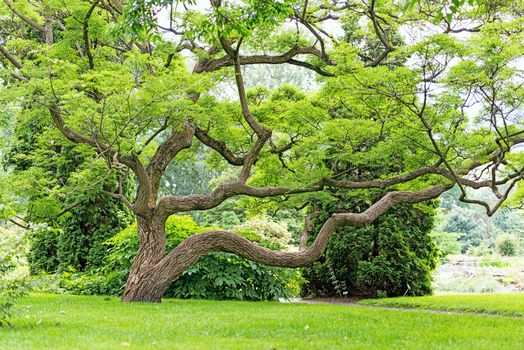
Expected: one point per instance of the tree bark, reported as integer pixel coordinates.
(142, 282)
(153, 272)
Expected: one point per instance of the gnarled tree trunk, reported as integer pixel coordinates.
(142, 282)
(153, 272)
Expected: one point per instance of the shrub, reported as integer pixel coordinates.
(493, 261)
(76, 238)
(265, 227)
(214, 276)
(447, 243)
(480, 250)
(393, 256)
(13, 284)
(508, 245)
(482, 283)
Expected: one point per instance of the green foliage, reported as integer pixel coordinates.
(13, 285)
(477, 234)
(126, 90)
(214, 276)
(226, 276)
(482, 249)
(61, 184)
(394, 256)
(447, 243)
(481, 283)
(266, 228)
(493, 261)
(508, 245)
(76, 239)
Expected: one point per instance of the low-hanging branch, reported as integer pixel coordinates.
(170, 267)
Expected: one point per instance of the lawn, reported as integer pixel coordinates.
(81, 322)
(510, 304)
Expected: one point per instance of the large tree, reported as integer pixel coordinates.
(113, 79)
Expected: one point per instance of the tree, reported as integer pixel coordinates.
(127, 96)
(68, 227)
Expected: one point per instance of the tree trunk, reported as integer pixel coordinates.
(153, 271)
(143, 280)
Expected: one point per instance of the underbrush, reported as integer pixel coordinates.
(213, 276)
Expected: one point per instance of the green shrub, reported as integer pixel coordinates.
(480, 250)
(493, 261)
(393, 256)
(76, 238)
(266, 228)
(482, 283)
(447, 242)
(13, 284)
(227, 276)
(214, 276)
(508, 245)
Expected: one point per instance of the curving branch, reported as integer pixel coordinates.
(287, 57)
(14, 61)
(24, 18)
(308, 226)
(144, 198)
(191, 249)
(220, 147)
(85, 33)
(431, 170)
(381, 36)
(177, 141)
(169, 205)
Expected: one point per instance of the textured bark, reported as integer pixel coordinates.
(152, 274)
(308, 227)
(142, 284)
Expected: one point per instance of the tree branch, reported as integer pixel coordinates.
(85, 32)
(308, 227)
(177, 141)
(10, 57)
(24, 17)
(219, 146)
(169, 205)
(179, 259)
(287, 57)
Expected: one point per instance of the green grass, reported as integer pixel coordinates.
(80, 322)
(510, 304)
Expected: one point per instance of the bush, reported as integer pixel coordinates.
(393, 256)
(214, 276)
(493, 261)
(508, 245)
(13, 284)
(480, 250)
(447, 243)
(76, 239)
(266, 228)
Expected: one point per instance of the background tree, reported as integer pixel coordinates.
(133, 102)
(68, 221)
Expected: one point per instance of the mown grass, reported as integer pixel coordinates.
(509, 304)
(80, 322)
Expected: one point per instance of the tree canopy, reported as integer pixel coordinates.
(406, 101)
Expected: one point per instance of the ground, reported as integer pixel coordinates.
(508, 304)
(79, 322)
